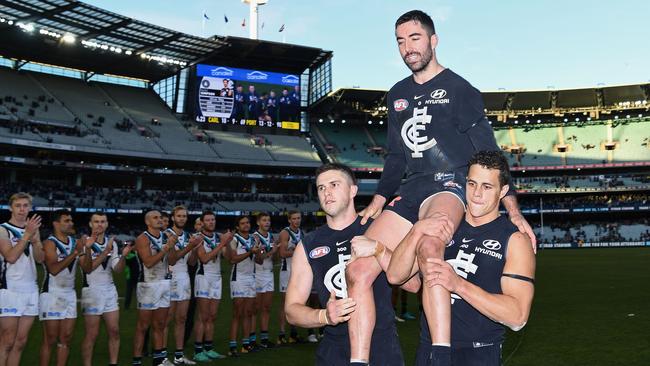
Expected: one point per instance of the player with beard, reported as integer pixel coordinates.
(436, 121)
(264, 279)
(181, 290)
(288, 238)
(207, 286)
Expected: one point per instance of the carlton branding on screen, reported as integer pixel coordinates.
(247, 97)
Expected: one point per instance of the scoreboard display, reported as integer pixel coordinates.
(229, 95)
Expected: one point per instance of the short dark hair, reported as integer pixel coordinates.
(493, 160)
(337, 166)
(98, 213)
(206, 213)
(164, 214)
(262, 214)
(58, 214)
(239, 218)
(293, 212)
(417, 16)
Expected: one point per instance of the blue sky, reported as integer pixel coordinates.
(515, 45)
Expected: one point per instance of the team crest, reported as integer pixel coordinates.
(319, 252)
(400, 105)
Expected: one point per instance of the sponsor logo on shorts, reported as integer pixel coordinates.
(52, 313)
(8, 310)
(319, 252)
(203, 293)
(400, 105)
(91, 310)
(146, 306)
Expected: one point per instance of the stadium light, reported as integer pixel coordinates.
(615, 117)
(381, 122)
(369, 122)
(577, 119)
(527, 121)
(331, 121)
(640, 115)
(566, 120)
(11, 22)
(588, 118)
(320, 120)
(539, 121)
(516, 122)
(628, 116)
(69, 39)
(343, 121)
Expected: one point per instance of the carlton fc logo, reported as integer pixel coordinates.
(256, 75)
(221, 71)
(400, 105)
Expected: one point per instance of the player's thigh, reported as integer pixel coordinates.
(66, 328)
(9, 328)
(389, 228)
(51, 329)
(443, 202)
(180, 308)
(112, 320)
(144, 319)
(159, 317)
(24, 326)
(91, 323)
(267, 298)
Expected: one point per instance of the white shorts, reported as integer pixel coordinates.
(14, 303)
(243, 287)
(207, 286)
(264, 282)
(284, 280)
(153, 295)
(57, 304)
(180, 288)
(97, 300)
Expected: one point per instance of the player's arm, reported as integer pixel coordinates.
(510, 308)
(142, 249)
(37, 246)
(172, 256)
(94, 263)
(118, 262)
(84, 244)
(9, 253)
(233, 256)
(284, 250)
(394, 167)
(298, 292)
(51, 258)
(194, 244)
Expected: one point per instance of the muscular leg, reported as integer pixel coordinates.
(436, 300)
(112, 322)
(158, 327)
(65, 336)
(267, 300)
(211, 315)
(50, 335)
(389, 228)
(24, 326)
(168, 322)
(8, 330)
(142, 324)
(180, 317)
(91, 327)
(199, 329)
(238, 311)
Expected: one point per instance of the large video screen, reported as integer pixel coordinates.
(244, 97)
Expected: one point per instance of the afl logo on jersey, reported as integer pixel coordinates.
(438, 93)
(491, 244)
(319, 252)
(400, 105)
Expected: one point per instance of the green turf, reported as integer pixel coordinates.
(581, 316)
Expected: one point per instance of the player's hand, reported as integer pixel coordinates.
(373, 209)
(227, 237)
(195, 240)
(109, 246)
(363, 246)
(520, 222)
(166, 247)
(79, 250)
(256, 248)
(89, 240)
(338, 311)
(126, 250)
(31, 226)
(439, 225)
(172, 238)
(438, 272)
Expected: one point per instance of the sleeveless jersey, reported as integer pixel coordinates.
(328, 251)
(159, 271)
(103, 274)
(64, 279)
(477, 254)
(19, 276)
(213, 267)
(183, 241)
(294, 239)
(267, 243)
(245, 268)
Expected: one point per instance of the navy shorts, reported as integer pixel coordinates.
(485, 355)
(416, 190)
(385, 350)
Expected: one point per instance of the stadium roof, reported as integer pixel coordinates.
(344, 102)
(78, 35)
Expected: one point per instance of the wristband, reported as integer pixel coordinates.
(379, 249)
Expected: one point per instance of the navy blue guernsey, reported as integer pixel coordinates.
(433, 127)
(327, 252)
(477, 254)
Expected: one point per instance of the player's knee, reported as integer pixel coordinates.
(359, 273)
(180, 319)
(113, 331)
(18, 344)
(430, 247)
(65, 339)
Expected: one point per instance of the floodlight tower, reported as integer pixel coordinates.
(253, 4)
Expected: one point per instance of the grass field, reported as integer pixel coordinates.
(592, 307)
